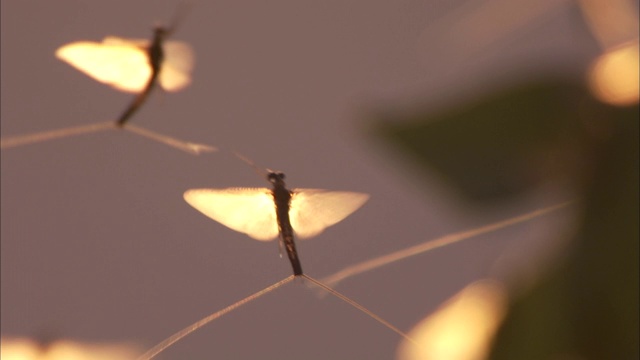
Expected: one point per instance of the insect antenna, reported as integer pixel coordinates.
(164, 344)
(262, 172)
(186, 146)
(34, 138)
(160, 347)
(359, 307)
(449, 239)
(38, 137)
(178, 16)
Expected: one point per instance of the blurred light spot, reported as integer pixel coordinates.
(27, 349)
(613, 77)
(462, 329)
(19, 349)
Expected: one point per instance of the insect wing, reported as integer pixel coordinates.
(246, 210)
(117, 62)
(177, 65)
(143, 44)
(313, 210)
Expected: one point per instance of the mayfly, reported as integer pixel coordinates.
(130, 65)
(264, 213)
(133, 65)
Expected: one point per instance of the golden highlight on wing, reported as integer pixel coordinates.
(121, 64)
(175, 73)
(124, 63)
(246, 210)
(313, 210)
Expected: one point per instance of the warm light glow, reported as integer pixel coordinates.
(249, 211)
(613, 77)
(19, 349)
(252, 211)
(462, 329)
(27, 349)
(121, 65)
(313, 210)
(177, 66)
(124, 64)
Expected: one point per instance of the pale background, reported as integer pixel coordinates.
(98, 245)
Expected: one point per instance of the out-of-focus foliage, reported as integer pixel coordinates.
(587, 307)
(501, 146)
(505, 143)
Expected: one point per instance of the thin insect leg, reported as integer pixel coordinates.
(151, 353)
(14, 141)
(360, 307)
(182, 10)
(369, 265)
(192, 148)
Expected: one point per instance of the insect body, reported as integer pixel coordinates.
(282, 199)
(155, 55)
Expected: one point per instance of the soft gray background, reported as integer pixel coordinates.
(98, 245)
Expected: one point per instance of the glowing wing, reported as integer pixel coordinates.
(313, 210)
(114, 40)
(249, 211)
(117, 62)
(177, 65)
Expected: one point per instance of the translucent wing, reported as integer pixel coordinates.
(249, 211)
(114, 40)
(177, 65)
(313, 210)
(121, 63)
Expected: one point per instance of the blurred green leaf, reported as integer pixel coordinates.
(586, 306)
(501, 144)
